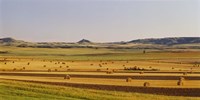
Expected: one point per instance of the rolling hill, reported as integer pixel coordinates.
(172, 42)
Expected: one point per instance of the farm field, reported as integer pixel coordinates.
(123, 70)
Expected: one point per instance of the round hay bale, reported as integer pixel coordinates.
(14, 69)
(180, 83)
(98, 70)
(181, 78)
(146, 84)
(141, 72)
(185, 73)
(49, 70)
(67, 77)
(129, 79)
(109, 72)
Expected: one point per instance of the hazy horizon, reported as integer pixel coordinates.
(99, 20)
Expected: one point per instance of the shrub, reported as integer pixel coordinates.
(146, 84)
(44, 66)
(24, 68)
(28, 63)
(129, 79)
(56, 70)
(60, 66)
(91, 64)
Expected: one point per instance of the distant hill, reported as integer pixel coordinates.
(152, 43)
(168, 41)
(7, 40)
(84, 41)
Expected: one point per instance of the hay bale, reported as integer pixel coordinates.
(180, 83)
(14, 69)
(49, 70)
(67, 77)
(141, 72)
(129, 79)
(185, 73)
(182, 78)
(98, 70)
(146, 84)
(109, 72)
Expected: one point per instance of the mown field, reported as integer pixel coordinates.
(101, 71)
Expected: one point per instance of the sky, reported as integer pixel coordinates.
(98, 20)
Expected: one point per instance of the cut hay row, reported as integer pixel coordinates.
(193, 92)
(108, 76)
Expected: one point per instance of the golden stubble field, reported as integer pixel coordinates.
(154, 70)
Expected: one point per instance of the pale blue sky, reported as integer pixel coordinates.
(98, 20)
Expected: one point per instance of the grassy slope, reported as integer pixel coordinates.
(93, 54)
(10, 90)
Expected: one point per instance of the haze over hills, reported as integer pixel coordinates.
(180, 42)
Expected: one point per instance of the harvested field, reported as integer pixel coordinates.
(161, 70)
(193, 92)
